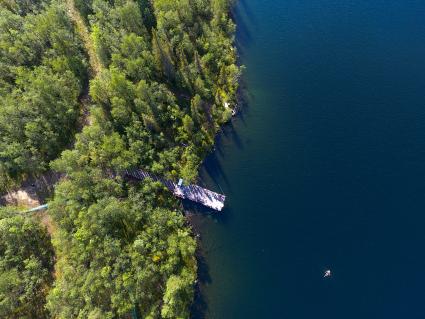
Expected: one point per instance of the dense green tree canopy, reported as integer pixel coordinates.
(167, 82)
(168, 78)
(26, 265)
(42, 73)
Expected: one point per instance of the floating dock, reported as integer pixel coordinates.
(194, 193)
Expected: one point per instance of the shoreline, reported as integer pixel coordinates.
(199, 306)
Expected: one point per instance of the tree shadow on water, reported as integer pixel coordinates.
(214, 171)
(243, 36)
(218, 145)
(198, 209)
(242, 110)
(243, 5)
(200, 306)
(242, 40)
(231, 133)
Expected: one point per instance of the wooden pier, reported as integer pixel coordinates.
(194, 193)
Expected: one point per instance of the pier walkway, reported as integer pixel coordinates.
(194, 193)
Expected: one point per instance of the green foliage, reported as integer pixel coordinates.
(178, 291)
(43, 70)
(26, 265)
(169, 69)
(23, 7)
(85, 8)
(119, 252)
(167, 81)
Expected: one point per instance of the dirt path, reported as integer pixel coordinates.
(95, 64)
(34, 192)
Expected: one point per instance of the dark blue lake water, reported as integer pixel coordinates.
(324, 168)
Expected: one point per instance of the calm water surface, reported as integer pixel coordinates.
(325, 168)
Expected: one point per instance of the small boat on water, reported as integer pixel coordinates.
(327, 273)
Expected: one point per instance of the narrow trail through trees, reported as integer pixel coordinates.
(95, 64)
(35, 190)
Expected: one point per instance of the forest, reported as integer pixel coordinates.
(166, 82)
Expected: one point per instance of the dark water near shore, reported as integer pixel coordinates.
(325, 168)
